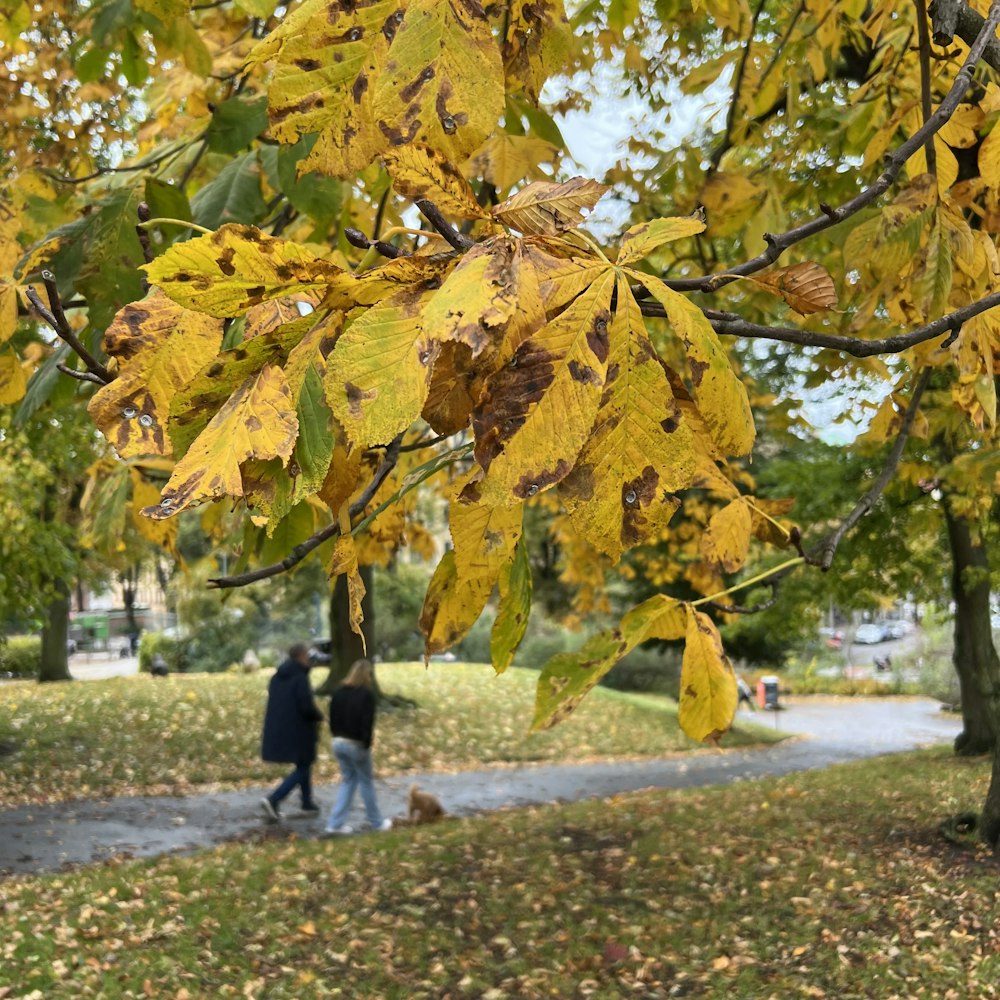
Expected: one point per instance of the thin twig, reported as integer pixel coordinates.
(145, 243)
(822, 555)
(331, 530)
(56, 318)
(777, 244)
(82, 376)
(924, 42)
(425, 443)
(433, 215)
(727, 138)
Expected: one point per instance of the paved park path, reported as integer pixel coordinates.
(50, 837)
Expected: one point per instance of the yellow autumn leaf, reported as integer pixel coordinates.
(484, 536)
(379, 373)
(544, 208)
(806, 287)
(645, 237)
(538, 410)
(236, 267)
(448, 613)
(730, 200)
(567, 677)
(418, 171)
(708, 683)
(538, 44)
(721, 396)
(479, 298)
(505, 160)
(257, 421)
(367, 77)
(10, 252)
(13, 383)
(989, 159)
(147, 494)
(641, 451)
(726, 541)
(160, 346)
(344, 560)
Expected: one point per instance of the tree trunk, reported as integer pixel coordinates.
(989, 821)
(55, 656)
(975, 656)
(346, 646)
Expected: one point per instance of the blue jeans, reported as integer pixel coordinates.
(301, 776)
(355, 770)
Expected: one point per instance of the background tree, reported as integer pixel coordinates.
(314, 359)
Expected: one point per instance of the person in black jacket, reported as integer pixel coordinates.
(291, 727)
(352, 720)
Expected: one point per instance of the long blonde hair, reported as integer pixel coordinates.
(361, 674)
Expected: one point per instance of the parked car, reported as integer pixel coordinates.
(869, 634)
(899, 628)
(71, 646)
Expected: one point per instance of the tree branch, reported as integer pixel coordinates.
(82, 376)
(331, 530)
(733, 325)
(823, 554)
(433, 215)
(56, 318)
(777, 244)
(953, 17)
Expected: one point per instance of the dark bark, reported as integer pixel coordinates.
(55, 656)
(346, 646)
(989, 821)
(130, 583)
(975, 656)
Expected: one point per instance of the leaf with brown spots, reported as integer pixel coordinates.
(720, 394)
(418, 171)
(194, 406)
(708, 683)
(806, 287)
(544, 208)
(268, 316)
(726, 541)
(639, 241)
(455, 387)
(567, 677)
(379, 373)
(641, 451)
(538, 44)
(479, 298)
(515, 605)
(236, 267)
(257, 421)
(538, 410)
(159, 346)
(448, 613)
(374, 74)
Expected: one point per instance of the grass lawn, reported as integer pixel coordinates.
(826, 884)
(149, 735)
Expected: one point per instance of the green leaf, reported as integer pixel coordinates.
(167, 201)
(236, 123)
(515, 604)
(567, 677)
(234, 196)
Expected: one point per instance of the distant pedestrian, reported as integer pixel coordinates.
(352, 722)
(291, 728)
(745, 694)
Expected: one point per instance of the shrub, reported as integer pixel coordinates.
(172, 649)
(21, 656)
(652, 669)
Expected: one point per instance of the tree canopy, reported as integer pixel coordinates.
(325, 258)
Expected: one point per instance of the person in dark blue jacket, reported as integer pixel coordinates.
(291, 728)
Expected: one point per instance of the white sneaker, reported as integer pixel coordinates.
(386, 824)
(338, 831)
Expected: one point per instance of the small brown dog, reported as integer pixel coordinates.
(424, 808)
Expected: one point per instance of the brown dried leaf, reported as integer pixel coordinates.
(806, 287)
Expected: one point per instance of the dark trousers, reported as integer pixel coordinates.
(301, 776)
